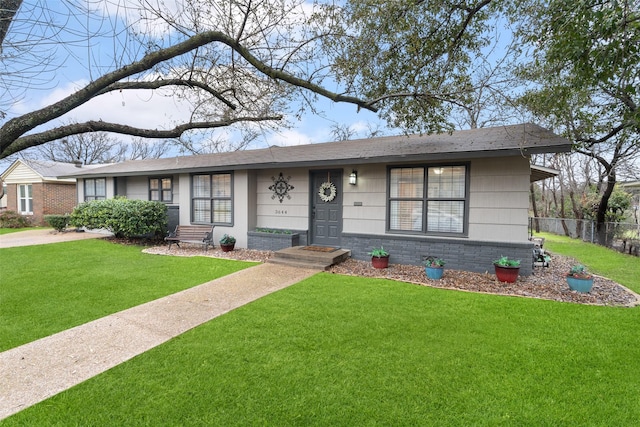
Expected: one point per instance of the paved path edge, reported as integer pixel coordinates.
(38, 370)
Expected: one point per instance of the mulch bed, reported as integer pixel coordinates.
(546, 283)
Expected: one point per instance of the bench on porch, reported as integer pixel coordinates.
(197, 234)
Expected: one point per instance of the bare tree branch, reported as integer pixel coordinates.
(99, 126)
(11, 133)
(157, 84)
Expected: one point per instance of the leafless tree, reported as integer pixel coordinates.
(233, 61)
(490, 100)
(99, 148)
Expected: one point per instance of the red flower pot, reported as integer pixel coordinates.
(380, 262)
(507, 274)
(227, 247)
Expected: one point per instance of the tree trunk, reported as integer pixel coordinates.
(8, 10)
(562, 221)
(601, 215)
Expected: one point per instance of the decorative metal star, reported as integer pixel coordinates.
(281, 187)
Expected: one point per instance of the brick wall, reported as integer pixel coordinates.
(12, 197)
(48, 199)
(469, 255)
(275, 241)
(59, 199)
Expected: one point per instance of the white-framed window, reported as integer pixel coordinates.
(212, 198)
(161, 189)
(25, 199)
(95, 189)
(428, 199)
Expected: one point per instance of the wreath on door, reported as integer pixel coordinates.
(327, 192)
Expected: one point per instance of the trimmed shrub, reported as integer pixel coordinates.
(12, 219)
(123, 217)
(58, 222)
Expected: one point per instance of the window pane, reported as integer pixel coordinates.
(222, 211)
(222, 185)
(89, 187)
(447, 182)
(166, 183)
(445, 217)
(155, 195)
(166, 195)
(407, 182)
(201, 184)
(101, 187)
(154, 184)
(201, 211)
(406, 215)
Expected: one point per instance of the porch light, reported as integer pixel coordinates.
(353, 177)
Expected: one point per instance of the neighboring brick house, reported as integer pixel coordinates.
(33, 189)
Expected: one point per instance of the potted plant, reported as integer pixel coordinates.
(379, 257)
(434, 267)
(507, 269)
(227, 243)
(579, 279)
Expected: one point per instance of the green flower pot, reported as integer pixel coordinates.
(580, 285)
(434, 273)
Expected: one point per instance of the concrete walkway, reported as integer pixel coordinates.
(43, 236)
(35, 371)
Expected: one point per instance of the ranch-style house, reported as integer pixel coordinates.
(462, 196)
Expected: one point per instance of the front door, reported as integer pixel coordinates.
(326, 207)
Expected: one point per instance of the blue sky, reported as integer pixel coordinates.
(80, 63)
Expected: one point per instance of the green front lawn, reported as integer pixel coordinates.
(344, 351)
(623, 268)
(15, 230)
(46, 289)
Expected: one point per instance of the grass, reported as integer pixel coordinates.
(15, 230)
(49, 288)
(343, 351)
(623, 268)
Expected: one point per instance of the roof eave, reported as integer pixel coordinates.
(335, 162)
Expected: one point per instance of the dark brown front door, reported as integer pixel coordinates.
(326, 207)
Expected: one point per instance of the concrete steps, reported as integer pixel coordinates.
(298, 256)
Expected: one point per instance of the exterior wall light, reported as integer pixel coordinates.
(353, 177)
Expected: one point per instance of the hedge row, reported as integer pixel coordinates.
(123, 217)
(12, 219)
(58, 222)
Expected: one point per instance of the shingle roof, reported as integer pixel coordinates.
(49, 169)
(523, 139)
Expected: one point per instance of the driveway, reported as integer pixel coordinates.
(43, 236)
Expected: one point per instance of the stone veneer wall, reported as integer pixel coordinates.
(468, 255)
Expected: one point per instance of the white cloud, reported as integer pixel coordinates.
(139, 108)
(288, 137)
